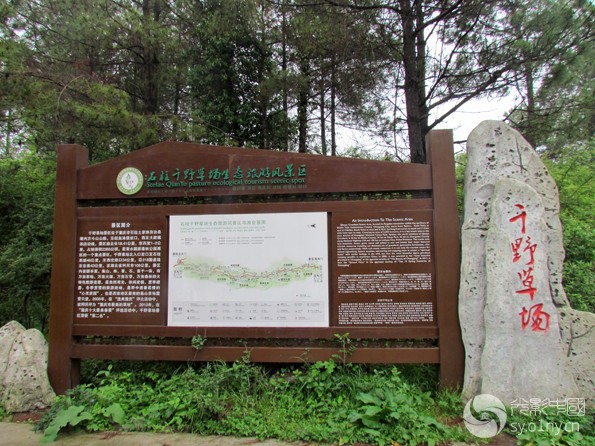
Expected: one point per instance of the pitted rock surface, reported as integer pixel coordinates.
(503, 355)
(24, 384)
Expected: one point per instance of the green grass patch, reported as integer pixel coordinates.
(324, 402)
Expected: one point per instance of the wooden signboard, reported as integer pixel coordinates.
(285, 251)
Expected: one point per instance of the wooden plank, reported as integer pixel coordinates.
(62, 371)
(256, 333)
(321, 173)
(248, 208)
(255, 354)
(447, 254)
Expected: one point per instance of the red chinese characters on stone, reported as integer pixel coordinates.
(516, 246)
(535, 317)
(530, 248)
(526, 277)
(539, 319)
(521, 216)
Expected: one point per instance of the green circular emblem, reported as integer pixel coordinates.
(129, 181)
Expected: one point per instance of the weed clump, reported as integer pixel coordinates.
(327, 402)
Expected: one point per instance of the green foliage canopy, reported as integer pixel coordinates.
(26, 214)
(118, 76)
(574, 171)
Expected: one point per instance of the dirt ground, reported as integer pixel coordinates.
(20, 433)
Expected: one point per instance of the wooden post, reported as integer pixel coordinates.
(63, 371)
(440, 155)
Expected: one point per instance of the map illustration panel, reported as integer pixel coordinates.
(248, 270)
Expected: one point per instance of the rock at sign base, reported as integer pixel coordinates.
(25, 385)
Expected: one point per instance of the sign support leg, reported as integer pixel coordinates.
(63, 371)
(440, 155)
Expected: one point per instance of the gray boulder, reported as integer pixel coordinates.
(523, 356)
(515, 317)
(8, 334)
(25, 385)
(578, 334)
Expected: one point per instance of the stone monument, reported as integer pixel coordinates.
(522, 339)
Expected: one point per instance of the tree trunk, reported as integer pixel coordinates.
(302, 106)
(8, 143)
(265, 143)
(333, 107)
(322, 117)
(284, 93)
(529, 132)
(414, 67)
(151, 13)
(263, 99)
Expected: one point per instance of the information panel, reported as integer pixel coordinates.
(384, 268)
(249, 270)
(119, 270)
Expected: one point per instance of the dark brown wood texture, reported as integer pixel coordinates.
(448, 257)
(321, 173)
(80, 209)
(62, 369)
(426, 355)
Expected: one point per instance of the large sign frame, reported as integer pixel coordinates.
(143, 258)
